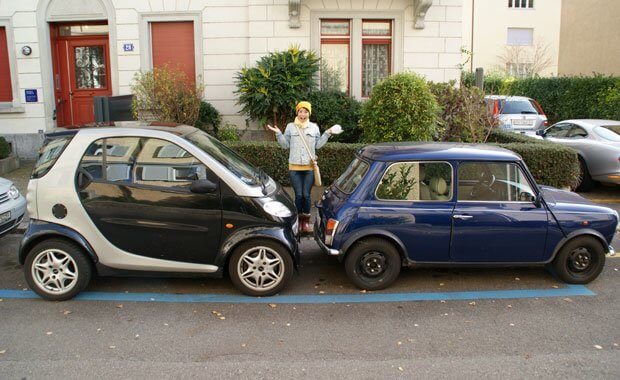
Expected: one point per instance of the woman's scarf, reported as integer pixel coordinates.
(300, 124)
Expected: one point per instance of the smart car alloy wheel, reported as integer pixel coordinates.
(57, 270)
(260, 268)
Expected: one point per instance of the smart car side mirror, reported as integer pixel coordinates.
(203, 186)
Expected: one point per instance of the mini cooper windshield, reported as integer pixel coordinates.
(236, 164)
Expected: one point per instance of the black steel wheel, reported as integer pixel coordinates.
(580, 261)
(373, 264)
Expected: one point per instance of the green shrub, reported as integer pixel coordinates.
(329, 108)
(208, 116)
(268, 92)
(607, 105)
(550, 163)
(5, 148)
(333, 158)
(227, 133)
(164, 94)
(464, 115)
(400, 108)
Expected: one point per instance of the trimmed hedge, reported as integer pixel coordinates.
(563, 98)
(551, 164)
(5, 149)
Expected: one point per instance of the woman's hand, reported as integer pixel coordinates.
(273, 129)
(336, 129)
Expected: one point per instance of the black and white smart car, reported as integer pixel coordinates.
(137, 198)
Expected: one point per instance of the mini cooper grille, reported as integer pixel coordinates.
(4, 197)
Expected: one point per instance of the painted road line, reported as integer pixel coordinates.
(568, 291)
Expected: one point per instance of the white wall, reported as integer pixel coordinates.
(233, 34)
(492, 18)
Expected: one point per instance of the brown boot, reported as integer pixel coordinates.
(304, 224)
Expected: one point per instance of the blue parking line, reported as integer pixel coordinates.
(568, 291)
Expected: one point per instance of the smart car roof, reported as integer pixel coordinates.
(403, 151)
(177, 129)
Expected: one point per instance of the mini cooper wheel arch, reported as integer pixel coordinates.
(39, 231)
(575, 235)
(580, 260)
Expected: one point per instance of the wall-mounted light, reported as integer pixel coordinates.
(26, 50)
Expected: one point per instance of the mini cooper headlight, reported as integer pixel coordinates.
(278, 209)
(13, 192)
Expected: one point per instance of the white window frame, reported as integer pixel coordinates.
(14, 106)
(146, 50)
(517, 43)
(355, 47)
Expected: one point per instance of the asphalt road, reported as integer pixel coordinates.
(555, 337)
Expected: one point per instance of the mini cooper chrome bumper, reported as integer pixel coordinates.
(319, 241)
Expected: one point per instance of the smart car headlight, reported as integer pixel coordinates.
(278, 209)
(13, 192)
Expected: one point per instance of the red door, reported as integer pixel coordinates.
(81, 71)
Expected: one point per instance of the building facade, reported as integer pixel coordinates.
(56, 55)
(516, 37)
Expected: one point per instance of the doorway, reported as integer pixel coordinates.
(81, 65)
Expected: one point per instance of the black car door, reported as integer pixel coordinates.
(137, 192)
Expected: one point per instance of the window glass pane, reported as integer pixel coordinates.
(351, 178)
(413, 181)
(90, 71)
(117, 155)
(517, 107)
(162, 163)
(499, 182)
(520, 36)
(335, 27)
(608, 132)
(375, 65)
(48, 154)
(82, 30)
(376, 28)
(335, 66)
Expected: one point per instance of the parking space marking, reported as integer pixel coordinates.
(568, 291)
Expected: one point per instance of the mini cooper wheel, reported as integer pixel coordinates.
(580, 261)
(260, 268)
(57, 270)
(373, 264)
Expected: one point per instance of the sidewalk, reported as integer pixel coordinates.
(21, 176)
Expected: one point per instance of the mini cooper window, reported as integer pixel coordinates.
(141, 161)
(351, 178)
(416, 181)
(491, 181)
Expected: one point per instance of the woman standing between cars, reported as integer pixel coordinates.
(299, 161)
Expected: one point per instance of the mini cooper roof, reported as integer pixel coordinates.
(177, 129)
(406, 151)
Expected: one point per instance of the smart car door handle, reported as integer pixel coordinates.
(462, 217)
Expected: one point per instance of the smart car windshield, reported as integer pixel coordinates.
(227, 157)
(608, 132)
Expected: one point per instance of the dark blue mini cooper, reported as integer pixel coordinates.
(427, 204)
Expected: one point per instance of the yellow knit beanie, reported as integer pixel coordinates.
(305, 105)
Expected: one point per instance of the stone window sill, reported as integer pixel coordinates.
(11, 109)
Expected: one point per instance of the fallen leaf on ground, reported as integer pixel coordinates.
(137, 336)
(288, 324)
(49, 333)
(363, 291)
(399, 343)
(473, 303)
(119, 306)
(512, 324)
(598, 347)
(221, 317)
(517, 279)
(509, 306)
(273, 305)
(555, 286)
(165, 324)
(568, 300)
(2, 352)
(112, 347)
(321, 292)
(67, 312)
(415, 325)
(1, 300)
(441, 284)
(400, 369)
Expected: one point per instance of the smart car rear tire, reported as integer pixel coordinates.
(57, 270)
(260, 268)
(580, 260)
(373, 264)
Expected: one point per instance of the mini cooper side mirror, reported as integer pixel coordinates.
(202, 186)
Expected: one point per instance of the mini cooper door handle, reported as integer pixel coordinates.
(462, 217)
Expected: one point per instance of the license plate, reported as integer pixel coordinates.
(522, 122)
(4, 217)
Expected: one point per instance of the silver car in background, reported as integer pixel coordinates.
(598, 145)
(517, 113)
(12, 207)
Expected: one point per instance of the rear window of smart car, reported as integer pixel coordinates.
(48, 154)
(351, 178)
(517, 107)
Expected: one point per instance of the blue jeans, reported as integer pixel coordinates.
(302, 181)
